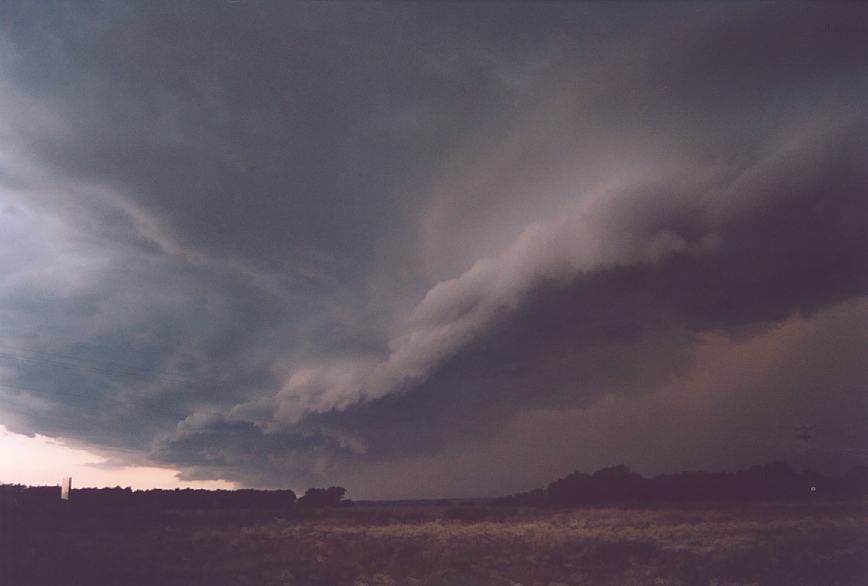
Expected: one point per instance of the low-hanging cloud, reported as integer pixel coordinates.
(617, 226)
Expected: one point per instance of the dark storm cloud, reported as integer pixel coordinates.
(328, 237)
(269, 134)
(136, 349)
(631, 329)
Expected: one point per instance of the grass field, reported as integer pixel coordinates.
(823, 543)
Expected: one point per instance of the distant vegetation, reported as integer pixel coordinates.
(323, 497)
(620, 485)
(178, 499)
(616, 485)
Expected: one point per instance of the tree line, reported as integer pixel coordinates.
(614, 485)
(17, 495)
(620, 485)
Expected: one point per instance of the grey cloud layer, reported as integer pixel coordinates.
(333, 236)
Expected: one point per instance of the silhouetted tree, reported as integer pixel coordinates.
(323, 497)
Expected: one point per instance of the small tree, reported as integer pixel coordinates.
(323, 497)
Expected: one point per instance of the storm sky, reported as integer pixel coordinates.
(435, 249)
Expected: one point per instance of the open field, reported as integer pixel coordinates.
(822, 543)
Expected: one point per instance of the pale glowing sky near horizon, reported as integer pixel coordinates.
(43, 461)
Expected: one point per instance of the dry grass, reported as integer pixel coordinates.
(817, 543)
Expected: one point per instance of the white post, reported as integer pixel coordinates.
(65, 488)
